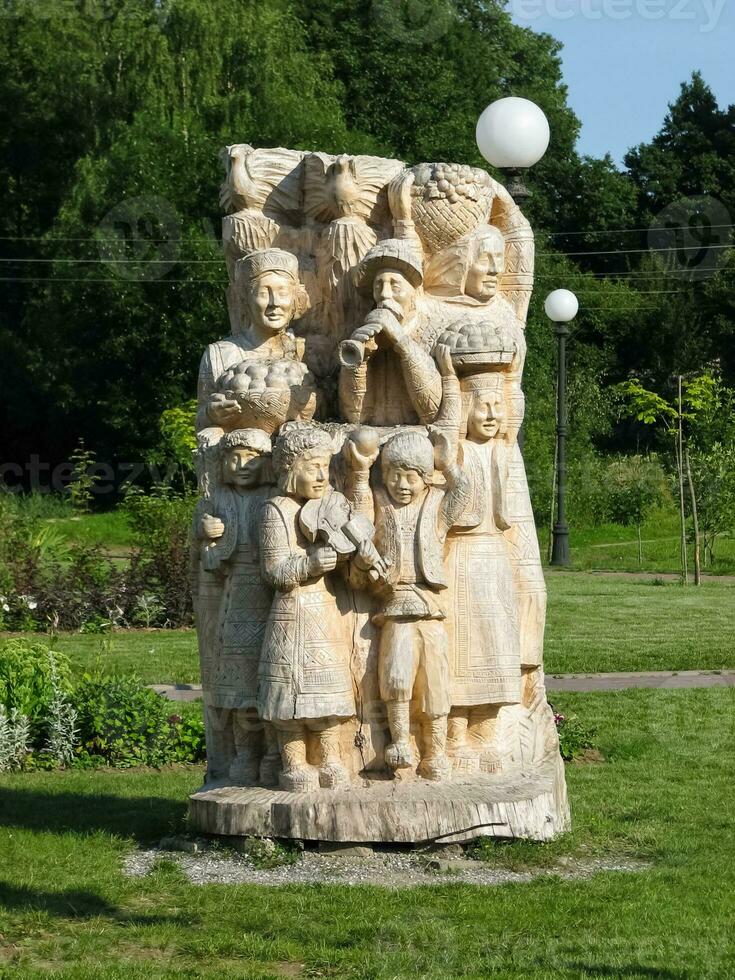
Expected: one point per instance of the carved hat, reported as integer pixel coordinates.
(297, 441)
(263, 260)
(446, 271)
(254, 439)
(411, 450)
(392, 253)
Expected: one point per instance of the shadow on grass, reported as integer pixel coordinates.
(75, 903)
(632, 970)
(144, 818)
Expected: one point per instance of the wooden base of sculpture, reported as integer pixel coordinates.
(531, 804)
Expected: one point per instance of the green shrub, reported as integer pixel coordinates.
(574, 736)
(122, 723)
(31, 676)
(161, 523)
(48, 584)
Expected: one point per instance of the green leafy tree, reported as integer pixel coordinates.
(635, 485)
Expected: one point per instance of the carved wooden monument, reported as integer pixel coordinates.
(368, 589)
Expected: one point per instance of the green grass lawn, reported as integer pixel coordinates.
(158, 656)
(661, 796)
(110, 530)
(594, 624)
(597, 624)
(612, 547)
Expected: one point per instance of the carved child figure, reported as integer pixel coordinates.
(305, 682)
(227, 523)
(413, 519)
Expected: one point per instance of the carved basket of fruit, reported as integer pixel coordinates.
(270, 393)
(448, 201)
(477, 344)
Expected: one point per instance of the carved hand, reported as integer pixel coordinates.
(212, 527)
(321, 560)
(368, 559)
(380, 321)
(222, 410)
(362, 449)
(399, 196)
(444, 456)
(443, 358)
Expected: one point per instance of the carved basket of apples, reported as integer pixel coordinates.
(269, 393)
(477, 344)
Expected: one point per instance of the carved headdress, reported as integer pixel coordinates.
(264, 260)
(392, 253)
(254, 439)
(446, 271)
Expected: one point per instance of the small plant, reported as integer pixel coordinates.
(161, 522)
(31, 676)
(148, 610)
(575, 738)
(62, 717)
(15, 736)
(83, 480)
(266, 853)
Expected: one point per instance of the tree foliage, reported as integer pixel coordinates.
(111, 118)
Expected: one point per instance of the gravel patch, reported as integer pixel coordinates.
(390, 869)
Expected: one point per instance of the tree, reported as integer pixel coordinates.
(714, 474)
(702, 410)
(636, 484)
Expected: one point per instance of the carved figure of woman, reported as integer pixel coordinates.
(464, 278)
(226, 524)
(267, 281)
(481, 605)
(305, 683)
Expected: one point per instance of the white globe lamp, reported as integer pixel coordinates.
(561, 306)
(513, 134)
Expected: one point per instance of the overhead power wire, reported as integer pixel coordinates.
(541, 232)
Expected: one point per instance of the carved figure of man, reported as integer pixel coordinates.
(388, 376)
(413, 519)
(305, 682)
(227, 523)
(271, 296)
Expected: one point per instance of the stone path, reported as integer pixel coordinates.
(670, 679)
(638, 576)
(178, 692)
(655, 678)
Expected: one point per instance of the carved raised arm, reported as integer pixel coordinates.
(516, 283)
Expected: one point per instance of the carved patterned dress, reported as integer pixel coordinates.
(304, 666)
(481, 604)
(230, 674)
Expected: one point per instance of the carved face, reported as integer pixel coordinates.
(481, 282)
(486, 416)
(271, 302)
(242, 468)
(392, 285)
(310, 475)
(404, 484)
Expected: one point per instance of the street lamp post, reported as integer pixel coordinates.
(561, 307)
(513, 134)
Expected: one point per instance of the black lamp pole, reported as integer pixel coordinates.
(560, 547)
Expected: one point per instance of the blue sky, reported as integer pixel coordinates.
(625, 59)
